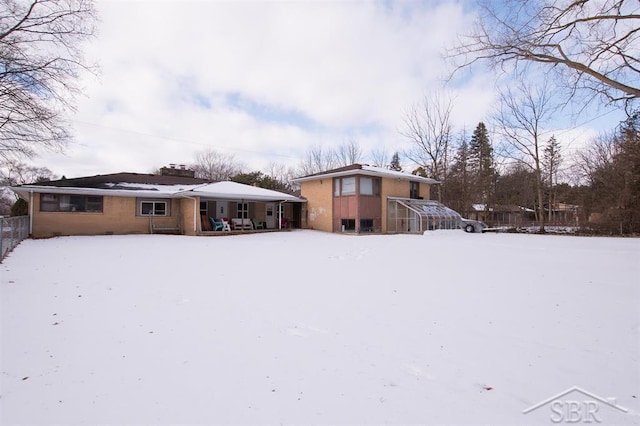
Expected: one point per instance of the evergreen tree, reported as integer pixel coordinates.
(481, 164)
(20, 208)
(458, 181)
(395, 163)
(551, 160)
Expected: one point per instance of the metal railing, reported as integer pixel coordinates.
(12, 231)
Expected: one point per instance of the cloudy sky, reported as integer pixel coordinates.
(266, 81)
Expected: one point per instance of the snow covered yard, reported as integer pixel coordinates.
(314, 328)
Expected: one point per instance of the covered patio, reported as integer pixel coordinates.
(227, 208)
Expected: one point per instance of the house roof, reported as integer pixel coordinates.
(367, 170)
(148, 185)
(107, 181)
(228, 190)
(501, 208)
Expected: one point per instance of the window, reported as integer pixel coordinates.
(348, 225)
(70, 203)
(154, 208)
(369, 186)
(349, 186)
(366, 225)
(414, 190)
(203, 208)
(243, 211)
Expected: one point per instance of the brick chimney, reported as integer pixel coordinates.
(174, 170)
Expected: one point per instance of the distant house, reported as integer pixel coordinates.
(360, 198)
(564, 213)
(132, 203)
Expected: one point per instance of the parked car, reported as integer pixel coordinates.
(470, 225)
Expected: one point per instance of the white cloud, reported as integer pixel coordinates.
(263, 80)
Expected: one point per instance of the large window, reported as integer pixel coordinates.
(154, 208)
(369, 186)
(70, 203)
(349, 186)
(344, 186)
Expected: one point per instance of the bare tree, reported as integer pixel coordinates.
(427, 126)
(317, 160)
(519, 120)
(597, 155)
(611, 166)
(379, 157)
(216, 166)
(17, 173)
(349, 153)
(40, 61)
(590, 45)
(281, 174)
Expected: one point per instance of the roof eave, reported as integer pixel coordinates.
(24, 190)
(365, 173)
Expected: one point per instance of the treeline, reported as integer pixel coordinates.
(602, 181)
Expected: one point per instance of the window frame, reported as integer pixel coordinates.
(414, 190)
(242, 210)
(348, 224)
(71, 203)
(349, 179)
(375, 186)
(153, 202)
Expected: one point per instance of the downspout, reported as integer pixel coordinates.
(31, 212)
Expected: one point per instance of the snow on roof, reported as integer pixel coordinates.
(365, 169)
(220, 190)
(396, 174)
(238, 191)
(163, 189)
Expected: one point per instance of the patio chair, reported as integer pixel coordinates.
(206, 223)
(257, 224)
(217, 226)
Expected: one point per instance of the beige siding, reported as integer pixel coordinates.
(189, 213)
(321, 208)
(425, 190)
(319, 194)
(118, 217)
(392, 188)
(398, 188)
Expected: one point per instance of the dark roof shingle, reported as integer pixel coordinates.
(107, 181)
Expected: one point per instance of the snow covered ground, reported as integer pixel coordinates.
(315, 328)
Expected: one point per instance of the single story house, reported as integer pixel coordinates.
(502, 215)
(360, 198)
(132, 203)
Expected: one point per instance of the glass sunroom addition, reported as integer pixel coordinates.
(416, 216)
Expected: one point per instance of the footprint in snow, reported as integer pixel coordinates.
(416, 371)
(304, 331)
